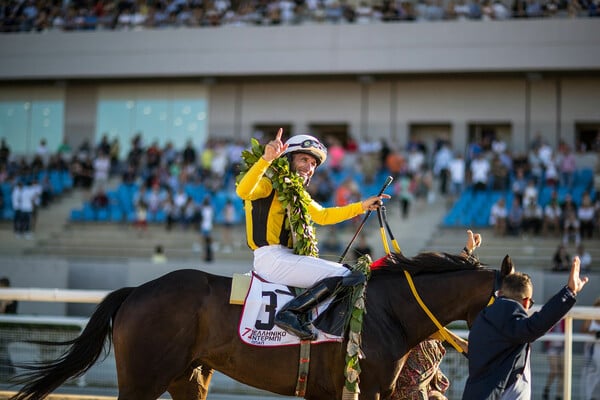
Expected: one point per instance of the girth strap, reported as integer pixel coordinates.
(303, 365)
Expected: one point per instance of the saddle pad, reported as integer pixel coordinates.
(257, 323)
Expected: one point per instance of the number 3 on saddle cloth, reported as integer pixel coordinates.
(257, 324)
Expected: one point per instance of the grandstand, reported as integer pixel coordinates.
(374, 87)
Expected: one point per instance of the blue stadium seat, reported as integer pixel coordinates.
(76, 215)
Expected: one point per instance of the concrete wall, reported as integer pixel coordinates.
(441, 47)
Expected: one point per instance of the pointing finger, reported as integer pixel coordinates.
(279, 133)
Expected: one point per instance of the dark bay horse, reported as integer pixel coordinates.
(171, 333)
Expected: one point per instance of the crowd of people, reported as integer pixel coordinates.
(85, 15)
(160, 177)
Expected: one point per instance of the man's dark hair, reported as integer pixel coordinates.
(515, 286)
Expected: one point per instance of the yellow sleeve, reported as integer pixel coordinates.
(333, 215)
(254, 185)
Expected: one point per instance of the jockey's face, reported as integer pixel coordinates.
(304, 165)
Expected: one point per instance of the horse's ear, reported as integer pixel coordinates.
(507, 266)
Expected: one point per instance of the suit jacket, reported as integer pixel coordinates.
(499, 340)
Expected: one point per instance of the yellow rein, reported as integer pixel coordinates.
(443, 330)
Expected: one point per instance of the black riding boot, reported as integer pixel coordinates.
(289, 317)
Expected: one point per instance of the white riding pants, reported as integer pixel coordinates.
(279, 264)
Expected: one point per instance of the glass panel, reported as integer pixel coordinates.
(151, 119)
(14, 124)
(47, 120)
(114, 118)
(189, 121)
(159, 113)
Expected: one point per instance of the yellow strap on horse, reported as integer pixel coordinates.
(443, 330)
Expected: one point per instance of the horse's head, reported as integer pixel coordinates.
(506, 269)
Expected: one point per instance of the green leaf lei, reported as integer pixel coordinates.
(292, 195)
(353, 348)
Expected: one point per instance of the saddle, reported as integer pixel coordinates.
(261, 300)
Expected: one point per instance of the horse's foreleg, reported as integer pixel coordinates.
(192, 385)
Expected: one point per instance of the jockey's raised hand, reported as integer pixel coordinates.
(473, 241)
(275, 147)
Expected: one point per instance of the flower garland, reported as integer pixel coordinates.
(292, 195)
(353, 348)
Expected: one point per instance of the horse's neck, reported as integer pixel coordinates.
(448, 296)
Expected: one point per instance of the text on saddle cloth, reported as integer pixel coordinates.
(257, 323)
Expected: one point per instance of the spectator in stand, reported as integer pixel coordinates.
(141, 217)
(499, 172)
(206, 227)
(83, 172)
(23, 198)
(519, 184)
(567, 167)
(457, 174)
(322, 187)
(514, 220)
(113, 154)
(552, 217)
(335, 154)
(571, 228)
(585, 257)
(441, 166)
(498, 215)
(404, 190)
(4, 152)
(155, 200)
(153, 156)
(347, 193)
(551, 173)
(480, 171)
(567, 205)
(587, 217)
(190, 214)
(101, 168)
(530, 192)
(170, 211)
(415, 159)
(99, 199)
(104, 145)
(179, 201)
(533, 217)
(561, 259)
(189, 153)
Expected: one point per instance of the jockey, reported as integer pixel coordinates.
(270, 238)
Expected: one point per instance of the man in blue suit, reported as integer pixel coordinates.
(499, 340)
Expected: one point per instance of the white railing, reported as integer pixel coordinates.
(96, 296)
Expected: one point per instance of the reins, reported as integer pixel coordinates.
(383, 226)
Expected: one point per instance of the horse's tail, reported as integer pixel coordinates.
(42, 379)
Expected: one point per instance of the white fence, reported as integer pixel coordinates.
(95, 296)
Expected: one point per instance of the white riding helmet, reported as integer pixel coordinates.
(307, 144)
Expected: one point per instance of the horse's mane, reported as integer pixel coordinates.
(426, 262)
